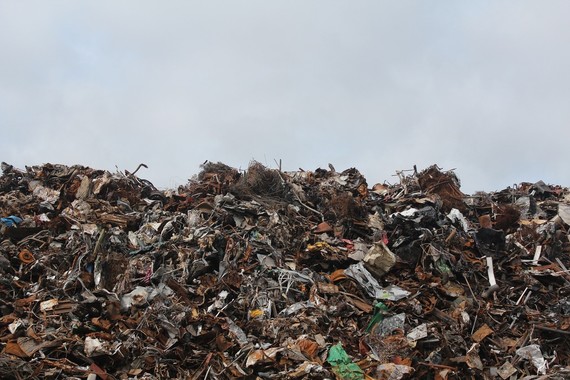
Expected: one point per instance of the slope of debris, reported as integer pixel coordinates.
(283, 275)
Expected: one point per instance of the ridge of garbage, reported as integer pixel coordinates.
(262, 274)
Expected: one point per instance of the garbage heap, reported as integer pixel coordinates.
(284, 275)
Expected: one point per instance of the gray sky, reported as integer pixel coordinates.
(480, 86)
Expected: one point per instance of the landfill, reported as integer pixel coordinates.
(267, 274)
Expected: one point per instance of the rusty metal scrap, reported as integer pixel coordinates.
(285, 275)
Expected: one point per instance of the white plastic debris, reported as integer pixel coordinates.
(406, 213)
(456, 215)
(361, 275)
(43, 218)
(93, 346)
(490, 271)
(534, 355)
(219, 302)
(133, 240)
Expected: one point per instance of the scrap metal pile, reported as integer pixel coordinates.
(265, 274)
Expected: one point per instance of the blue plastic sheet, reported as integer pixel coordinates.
(11, 221)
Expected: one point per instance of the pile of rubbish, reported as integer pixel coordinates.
(265, 274)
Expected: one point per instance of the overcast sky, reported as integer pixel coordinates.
(479, 86)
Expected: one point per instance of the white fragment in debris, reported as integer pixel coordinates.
(12, 327)
(490, 271)
(93, 346)
(418, 332)
(537, 254)
(296, 276)
(361, 275)
(534, 355)
(133, 240)
(43, 218)
(274, 220)
(239, 221)
(393, 293)
(406, 213)
(137, 297)
(219, 302)
(193, 218)
(48, 305)
(294, 308)
(341, 180)
(522, 247)
(456, 215)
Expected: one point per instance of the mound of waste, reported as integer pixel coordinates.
(265, 274)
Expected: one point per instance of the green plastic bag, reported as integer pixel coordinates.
(379, 310)
(343, 367)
